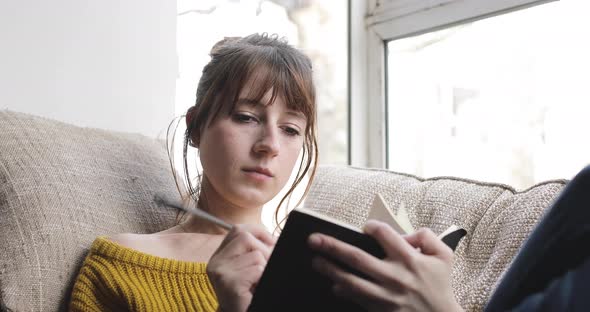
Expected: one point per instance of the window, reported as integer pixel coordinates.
(481, 92)
(501, 99)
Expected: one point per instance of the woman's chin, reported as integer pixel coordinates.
(254, 199)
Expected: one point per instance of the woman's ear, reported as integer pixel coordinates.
(194, 135)
(189, 115)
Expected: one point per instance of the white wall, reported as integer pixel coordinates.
(105, 64)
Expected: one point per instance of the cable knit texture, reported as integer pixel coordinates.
(117, 278)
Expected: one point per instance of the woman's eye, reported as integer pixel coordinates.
(243, 118)
(291, 131)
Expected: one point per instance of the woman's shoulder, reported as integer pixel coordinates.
(119, 253)
(191, 247)
(144, 241)
(131, 240)
(119, 245)
(149, 244)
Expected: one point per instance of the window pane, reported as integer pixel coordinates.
(503, 99)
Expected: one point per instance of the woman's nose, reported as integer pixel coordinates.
(268, 142)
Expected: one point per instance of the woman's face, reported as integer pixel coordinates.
(248, 157)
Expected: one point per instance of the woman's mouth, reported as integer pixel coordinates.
(258, 173)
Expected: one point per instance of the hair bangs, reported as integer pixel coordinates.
(260, 80)
(299, 96)
(284, 77)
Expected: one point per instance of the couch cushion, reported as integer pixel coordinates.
(61, 186)
(496, 217)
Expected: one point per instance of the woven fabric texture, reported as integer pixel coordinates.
(497, 218)
(61, 186)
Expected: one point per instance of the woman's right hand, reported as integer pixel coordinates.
(415, 274)
(237, 264)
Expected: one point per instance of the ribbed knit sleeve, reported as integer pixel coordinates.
(117, 278)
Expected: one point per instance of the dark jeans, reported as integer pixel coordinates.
(552, 270)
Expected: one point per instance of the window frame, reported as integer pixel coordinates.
(372, 24)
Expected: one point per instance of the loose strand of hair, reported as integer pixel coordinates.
(311, 157)
(170, 151)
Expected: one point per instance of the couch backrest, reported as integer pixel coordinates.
(61, 186)
(497, 218)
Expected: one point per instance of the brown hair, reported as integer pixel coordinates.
(271, 63)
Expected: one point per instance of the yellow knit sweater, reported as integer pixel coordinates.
(117, 278)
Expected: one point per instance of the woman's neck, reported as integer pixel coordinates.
(212, 202)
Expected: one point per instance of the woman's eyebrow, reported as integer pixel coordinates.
(249, 102)
(297, 114)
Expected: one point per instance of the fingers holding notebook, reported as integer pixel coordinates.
(415, 275)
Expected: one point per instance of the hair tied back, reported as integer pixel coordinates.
(221, 43)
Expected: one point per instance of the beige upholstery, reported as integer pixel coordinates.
(62, 185)
(496, 217)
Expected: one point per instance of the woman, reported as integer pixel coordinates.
(254, 115)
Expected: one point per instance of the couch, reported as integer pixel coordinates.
(62, 185)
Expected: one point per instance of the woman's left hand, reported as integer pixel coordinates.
(415, 274)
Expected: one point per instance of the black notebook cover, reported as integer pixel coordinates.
(289, 283)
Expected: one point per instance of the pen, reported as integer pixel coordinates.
(196, 212)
